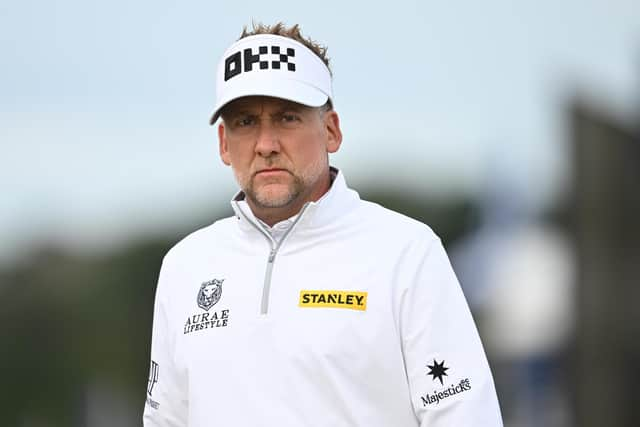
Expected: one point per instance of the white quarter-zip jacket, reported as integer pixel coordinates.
(354, 317)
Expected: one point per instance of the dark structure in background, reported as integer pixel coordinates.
(605, 213)
(73, 324)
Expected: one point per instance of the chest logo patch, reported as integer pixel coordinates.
(209, 293)
(352, 300)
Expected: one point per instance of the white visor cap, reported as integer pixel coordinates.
(271, 65)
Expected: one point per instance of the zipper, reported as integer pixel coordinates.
(274, 248)
(266, 287)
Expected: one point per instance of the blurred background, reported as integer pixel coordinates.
(512, 128)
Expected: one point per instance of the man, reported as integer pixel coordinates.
(309, 307)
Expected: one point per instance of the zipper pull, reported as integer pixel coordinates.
(272, 255)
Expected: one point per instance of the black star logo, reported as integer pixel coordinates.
(437, 370)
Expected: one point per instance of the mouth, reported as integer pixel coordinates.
(271, 171)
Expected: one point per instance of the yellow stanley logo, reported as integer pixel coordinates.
(336, 299)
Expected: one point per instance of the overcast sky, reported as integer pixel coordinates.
(104, 105)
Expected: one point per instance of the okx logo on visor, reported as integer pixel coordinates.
(271, 65)
(244, 61)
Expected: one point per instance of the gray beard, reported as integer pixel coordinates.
(297, 186)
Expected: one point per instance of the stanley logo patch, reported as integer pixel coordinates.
(336, 299)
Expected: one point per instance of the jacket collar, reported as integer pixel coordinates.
(339, 200)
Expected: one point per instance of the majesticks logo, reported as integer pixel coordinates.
(437, 372)
(452, 390)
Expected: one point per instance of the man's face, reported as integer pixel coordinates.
(278, 150)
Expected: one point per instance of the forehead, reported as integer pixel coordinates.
(256, 104)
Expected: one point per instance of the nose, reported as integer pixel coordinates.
(267, 140)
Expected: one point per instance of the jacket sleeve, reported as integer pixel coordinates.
(166, 403)
(449, 377)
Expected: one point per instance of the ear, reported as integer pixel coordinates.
(224, 148)
(334, 134)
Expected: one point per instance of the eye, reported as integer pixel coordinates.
(244, 121)
(289, 118)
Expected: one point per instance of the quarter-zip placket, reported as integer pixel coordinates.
(274, 248)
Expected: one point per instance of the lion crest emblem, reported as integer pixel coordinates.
(209, 293)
